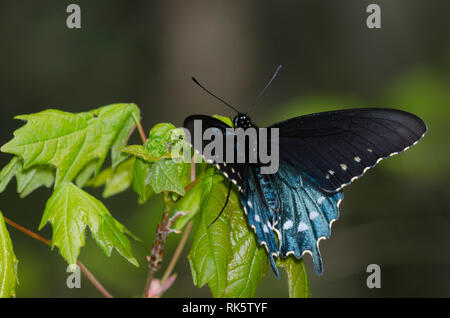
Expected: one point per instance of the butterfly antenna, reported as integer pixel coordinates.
(267, 86)
(226, 202)
(206, 90)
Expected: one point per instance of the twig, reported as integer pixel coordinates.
(185, 236)
(156, 257)
(94, 281)
(27, 231)
(157, 254)
(140, 129)
(177, 253)
(83, 268)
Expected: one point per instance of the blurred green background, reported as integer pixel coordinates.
(397, 216)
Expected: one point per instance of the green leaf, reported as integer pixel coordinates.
(115, 180)
(33, 178)
(8, 172)
(8, 263)
(70, 141)
(141, 180)
(121, 140)
(27, 180)
(141, 152)
(190, 204)
(297, 277)
(226, 255)
(70, 210)
(184, 173)
(211, 247)
(164, 177)
(86, 173)
(160, 140)
(248, 263)
(226, 120)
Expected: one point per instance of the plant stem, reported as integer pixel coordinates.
(186, 233)
(140, 129)
(47, 242)
(27, 231)
(157, 254)
(156, 258)
(94, 281)
(177, 254)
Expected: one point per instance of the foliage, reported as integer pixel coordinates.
(297, 277)
(70, 210)
(56, 146)
(67, 151)
(8, 263)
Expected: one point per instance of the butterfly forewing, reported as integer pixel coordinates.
(334, 148)
(232, 170)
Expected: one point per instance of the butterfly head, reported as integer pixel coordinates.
(242, 121)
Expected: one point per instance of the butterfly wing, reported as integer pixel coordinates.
(261, 206)
(335, 148)
(233, 172)
(305, 216)
(257, 193)
(293, 207)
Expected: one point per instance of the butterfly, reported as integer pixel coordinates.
(293, 209)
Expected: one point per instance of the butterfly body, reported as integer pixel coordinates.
(292, 209)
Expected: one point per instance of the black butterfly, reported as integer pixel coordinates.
(319, 154)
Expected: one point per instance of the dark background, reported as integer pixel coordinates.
(397, 216)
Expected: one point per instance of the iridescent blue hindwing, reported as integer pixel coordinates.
(290, 205)
(260, 206)
(306, 215)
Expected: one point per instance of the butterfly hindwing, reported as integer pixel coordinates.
(261, 205)
(305, 216)
(334, 148)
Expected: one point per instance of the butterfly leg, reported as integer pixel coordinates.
(226, 202)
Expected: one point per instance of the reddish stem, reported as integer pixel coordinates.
(140, 129)
(83, 268)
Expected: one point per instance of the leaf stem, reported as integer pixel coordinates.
(27, 231)
(47, 242)
(140, 129)
(94, 281)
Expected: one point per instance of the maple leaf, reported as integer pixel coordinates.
(8, 263)
(70, 141)
(70, 210)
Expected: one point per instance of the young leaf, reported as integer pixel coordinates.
(248, 264)
(297, 277)
(70, 141)
(141, 151)
(211, 247)
(8, 172)
(190, 204)
(141, 180)
(8, 263)
(70, 210)
(27, 180)
(33, 178)
(115, 180)
(164, 177)
(160, 141)
(129, 123)
(86, 173)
